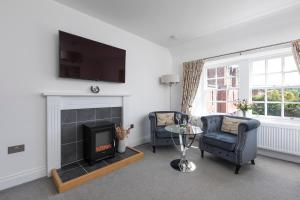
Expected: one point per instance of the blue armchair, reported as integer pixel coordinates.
(160, 136)
(238, 149)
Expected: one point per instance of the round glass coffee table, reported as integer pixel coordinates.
(182, 164)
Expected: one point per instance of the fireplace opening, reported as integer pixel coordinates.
(99, 141)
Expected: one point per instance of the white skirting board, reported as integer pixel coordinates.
(22, 177)
(138, 141)
(279, 155)
(39, 172)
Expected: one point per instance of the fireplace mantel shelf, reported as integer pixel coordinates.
(79, 94)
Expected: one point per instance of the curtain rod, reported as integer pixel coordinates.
(247, 50)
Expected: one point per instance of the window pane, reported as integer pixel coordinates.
(258, 109)
(274, 109)
(289, 63)
(211, 107)
(233, 70)
(292, 110)
(274, 95)
(211, 95)
(292, 95)
(292, 78)
(258, 95)
(234, 82)
(259, 67)
(221, 83)
(221, 71)
(233, 95)
(211, 83)
(231, 107)
(211, 73)
(258, 80)
(274, 79)
(274, 65)
(221, 95)
(221, 107)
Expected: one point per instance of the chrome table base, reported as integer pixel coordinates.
(183, 165)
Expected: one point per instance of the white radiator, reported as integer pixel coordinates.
(280, 138)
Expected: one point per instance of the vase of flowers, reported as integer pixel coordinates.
(243, 106)
(121, 135)
(121, 146)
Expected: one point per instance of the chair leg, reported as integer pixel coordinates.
(237, 169)
(153, 149)
(202, 153)
(252, 162)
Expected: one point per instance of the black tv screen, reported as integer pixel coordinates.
(81, 58)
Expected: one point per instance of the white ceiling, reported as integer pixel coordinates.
(186, 20)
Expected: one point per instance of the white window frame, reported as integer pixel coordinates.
(206, 88)
(245, 86)
(266, 87)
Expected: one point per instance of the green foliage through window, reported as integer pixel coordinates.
(274, 109)
(258, 95)
(292, 110)
(274, 95)
(291, 100)
(258, 109)
(292, 95)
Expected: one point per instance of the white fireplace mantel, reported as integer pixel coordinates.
(57, 101)
(74, 94)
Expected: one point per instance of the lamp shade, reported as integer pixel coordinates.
(169, 78)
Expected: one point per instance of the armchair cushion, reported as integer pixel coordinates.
(226, 141)
(230, 125)
(165, 119)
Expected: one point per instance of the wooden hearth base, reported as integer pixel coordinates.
(64, 186)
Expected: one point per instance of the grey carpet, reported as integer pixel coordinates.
(153, 178)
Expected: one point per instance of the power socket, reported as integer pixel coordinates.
(16, 149)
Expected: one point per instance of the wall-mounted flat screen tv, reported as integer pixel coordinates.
(81, 58)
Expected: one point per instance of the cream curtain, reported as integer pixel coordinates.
(296, 53)
(191, 76)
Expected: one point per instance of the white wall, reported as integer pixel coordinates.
(279, 27)
(29, 66)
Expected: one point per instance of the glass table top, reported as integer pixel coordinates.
(189, 130)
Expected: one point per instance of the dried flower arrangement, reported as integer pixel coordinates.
(122, 133)
(244, 106)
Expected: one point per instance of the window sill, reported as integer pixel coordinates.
(278, 122)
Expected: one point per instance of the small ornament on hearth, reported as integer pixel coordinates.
(121, 134)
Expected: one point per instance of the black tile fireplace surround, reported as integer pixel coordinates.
(72, 141)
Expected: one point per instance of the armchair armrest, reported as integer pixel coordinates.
(247, 141)
(245, 130)
(151, 116)
(248, 125)
(211, 123)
